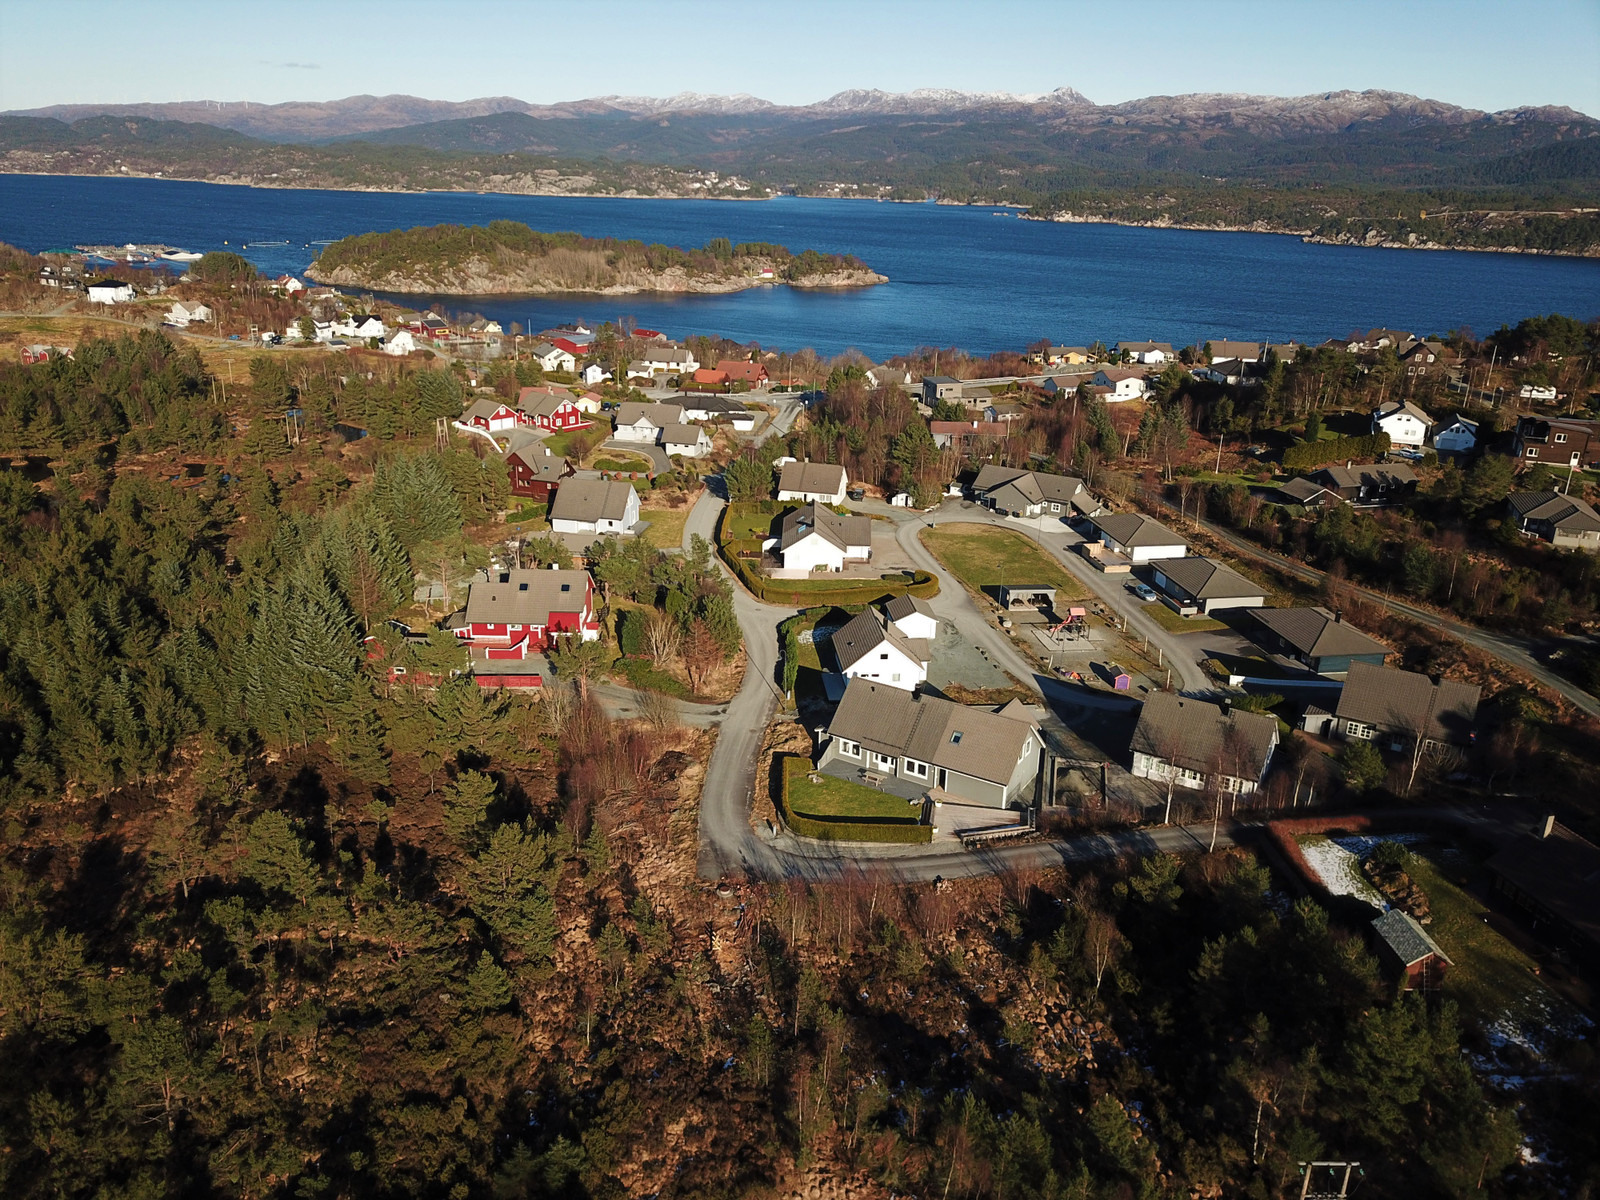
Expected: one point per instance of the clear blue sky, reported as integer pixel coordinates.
(1477, 53)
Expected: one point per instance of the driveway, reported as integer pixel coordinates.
(655, 454)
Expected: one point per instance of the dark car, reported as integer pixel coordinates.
(856, 493)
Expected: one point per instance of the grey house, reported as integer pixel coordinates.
(1317, 638)
(1398, 707)
(1190, 742)
(1560, 520)
(1032, 493)
(973, 755)
(1203, 585)
(940, 387)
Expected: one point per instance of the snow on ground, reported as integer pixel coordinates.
(1339, 869)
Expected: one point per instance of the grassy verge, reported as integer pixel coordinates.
(982, 556)
(1173, 623)
(643, 674)
(666, 526)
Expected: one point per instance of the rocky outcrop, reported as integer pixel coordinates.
(536, 278)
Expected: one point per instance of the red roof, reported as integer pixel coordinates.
(571, 348)
(707, 375)
(738, 368)
(648, 333)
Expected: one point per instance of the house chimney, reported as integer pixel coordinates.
(1348, 463)
(1338, 616)
(1547, 826)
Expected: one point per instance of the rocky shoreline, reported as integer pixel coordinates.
(1372, 240)
(674, 281)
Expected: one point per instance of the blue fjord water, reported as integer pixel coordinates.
(974, 277)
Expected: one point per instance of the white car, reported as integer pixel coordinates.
(1144, 591)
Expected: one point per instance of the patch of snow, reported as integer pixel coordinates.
(1339, 868)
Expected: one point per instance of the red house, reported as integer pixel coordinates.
(551, 408)
(534, 470)
(492, 416)
(707, 377)
(516, 613)
(737, 370)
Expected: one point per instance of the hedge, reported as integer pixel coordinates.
(903, 831)
(1315, 454)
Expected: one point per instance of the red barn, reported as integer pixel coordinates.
(551, 408)
(516, 613)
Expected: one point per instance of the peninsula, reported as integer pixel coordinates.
(508, 258)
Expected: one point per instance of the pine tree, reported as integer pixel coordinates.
(359, 735)
(467, 799)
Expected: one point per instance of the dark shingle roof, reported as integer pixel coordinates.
(903, 605)
(1206, 578)
(591, 500)
(1301, 490)
(1405, 702)
(821, 479)
(1559, 873)
(979, 742)
(1408, 940)
(526, 597)
(1200, 736)
(1033, 486)
(865, 632)
(1316, 632)
(843, 532)
(1563, 512)
(1135, 529)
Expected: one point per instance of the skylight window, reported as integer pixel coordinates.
(955, 738)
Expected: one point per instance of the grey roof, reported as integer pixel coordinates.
(629, 412)
(1408, 940)
(591, 500)
(825, 479)
(526, 597)
(1144, 347)
(903, 605)
(541, 349)
(536, 456)
(1136, 529)
(1395, 407)
(1200, 736)
(865, 632)
(1035, 487)
(1368, 475)
(1206, 578)
(1559, 873)
(1398, 701)
(682, 435)
(543, 401)
(1316, 632)
(1563, 512)
(843, 532)
(1302, 490)
(485, 407)
(939, 380)
(715, 404)
(978, 742)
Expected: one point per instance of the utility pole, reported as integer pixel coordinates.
(1308, 1169)
(1220, 437)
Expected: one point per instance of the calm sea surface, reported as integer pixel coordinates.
(978, 278)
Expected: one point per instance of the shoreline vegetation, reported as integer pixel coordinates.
(507, 257)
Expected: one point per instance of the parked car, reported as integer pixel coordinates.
(1144, 591)
(857, 493)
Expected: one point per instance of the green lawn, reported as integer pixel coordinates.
(1256, 668)
(1173, 623)
(622, 460)
(561, 443)
(666, 526)
(982, 556)
(1491, 977)
(838, 798)
(745, 521)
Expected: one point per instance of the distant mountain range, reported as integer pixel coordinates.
(1376, 167)
(306, 121)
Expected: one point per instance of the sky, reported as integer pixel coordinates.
(1487, 54)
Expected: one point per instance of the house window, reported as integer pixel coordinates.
(913, 767)
(1360, 729)
(849, 749)
(883, 657)
(955, 738)
(1561, 437)
(885, 761)
(1533, 452)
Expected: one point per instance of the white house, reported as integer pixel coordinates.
(1138, 537)
(361, 327)
(1125, 383)
(590, 403)
(1529, 391)
(1147, 352)
(691, 441)
(637, 422)
(552, 358)
(181, 313)
(815, 538)
(109, 291)
(594, 506)
(663, 360)
(322, 331)
(821, 482)
(1405, 423)
(870, 647)
(593, 375)
(289, 284)
(913, 617)
(1458, 437)
(400, 342)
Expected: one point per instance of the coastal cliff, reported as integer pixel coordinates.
(508, 258)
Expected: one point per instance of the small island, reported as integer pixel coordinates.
(508, 258)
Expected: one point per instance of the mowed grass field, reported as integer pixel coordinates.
(984, 557)
(839, 798)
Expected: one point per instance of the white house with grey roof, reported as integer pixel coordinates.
(1137, 537)
(808, 481)
(1405, 423)
(690, 441)
(913, 617)
(1458, 437)
(1196, 584)
(1191, 743)
(643, 423)
(870, 646)
(594, 506)
(1018, 493)
(815, 538)
(964, 754)
(1566, 521)
(1401, 707)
